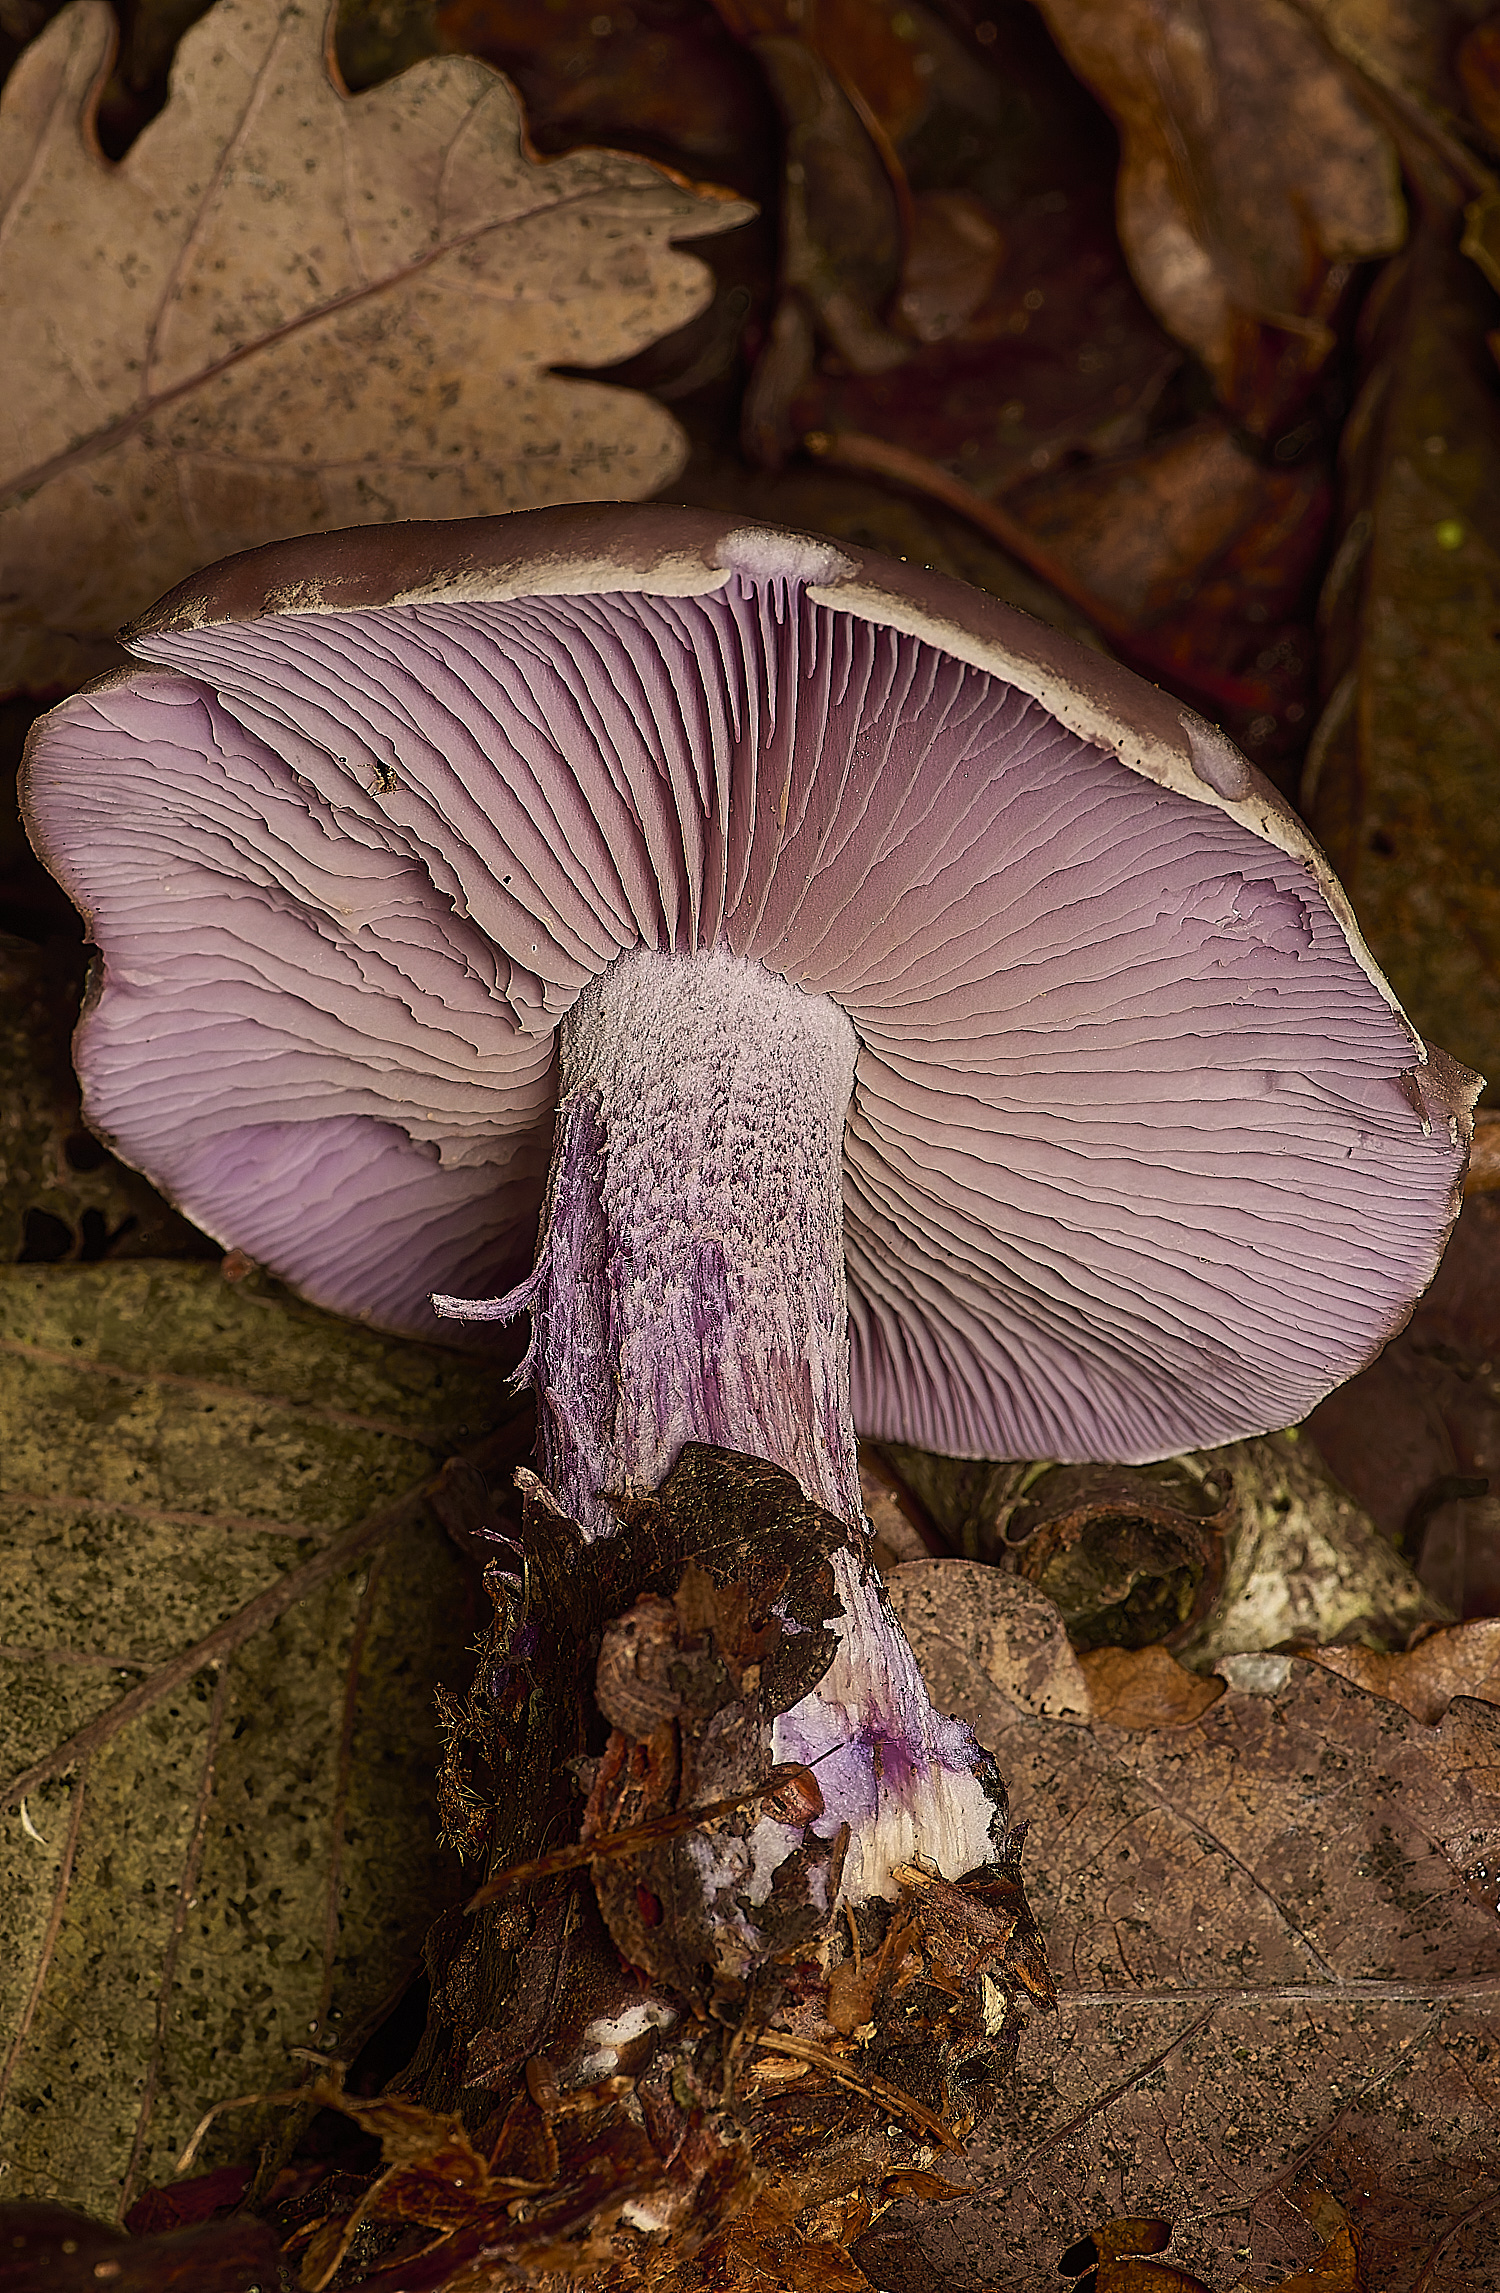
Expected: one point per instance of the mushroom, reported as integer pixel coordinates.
(850, 921)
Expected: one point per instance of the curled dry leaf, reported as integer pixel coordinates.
(663, 79)
(1478, 66)
(1483, 1174)
(1409, 50)
(222, 1610)
(287, 308)
(1129, 1556)
(1463, 1661)
(1223, 1550)
(1252, 180)
(1305, 1562)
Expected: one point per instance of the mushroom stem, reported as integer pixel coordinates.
(690, 1270)
(689, 1286)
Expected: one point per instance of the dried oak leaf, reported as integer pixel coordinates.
(1002, 1624)
(1275, 1942)
(288, 308)
(1251, 180)
(222, 1610)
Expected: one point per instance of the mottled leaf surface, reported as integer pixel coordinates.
(1274, 1936)
(287, 308)
(223, 1613)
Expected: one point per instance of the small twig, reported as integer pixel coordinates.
(614, 1843)
(873, 2089)
(235, 2102)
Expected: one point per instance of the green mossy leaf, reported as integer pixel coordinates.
(226, 1609)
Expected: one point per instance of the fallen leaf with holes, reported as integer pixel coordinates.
(221, 1615)
(1274, 1936)
(287, 308)
(1252, 181)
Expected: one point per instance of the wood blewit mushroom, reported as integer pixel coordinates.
(881, 929)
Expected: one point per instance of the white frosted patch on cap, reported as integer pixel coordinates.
(761, 553)
(1216, 760)
(681, 573)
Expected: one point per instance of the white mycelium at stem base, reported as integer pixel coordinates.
(689, 1286)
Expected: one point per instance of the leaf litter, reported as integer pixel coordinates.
(1416, 1436)
(1272, 1928)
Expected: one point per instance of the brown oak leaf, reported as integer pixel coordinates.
(289, 308)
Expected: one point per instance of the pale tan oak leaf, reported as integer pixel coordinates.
(289, 308)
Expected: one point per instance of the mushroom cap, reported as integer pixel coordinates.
(1143, 1153)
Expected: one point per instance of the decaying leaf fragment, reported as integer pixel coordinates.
(1416, 1436)
(1210, 1553)
(1146, 1688)
(1251, 180)
(287, 308)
